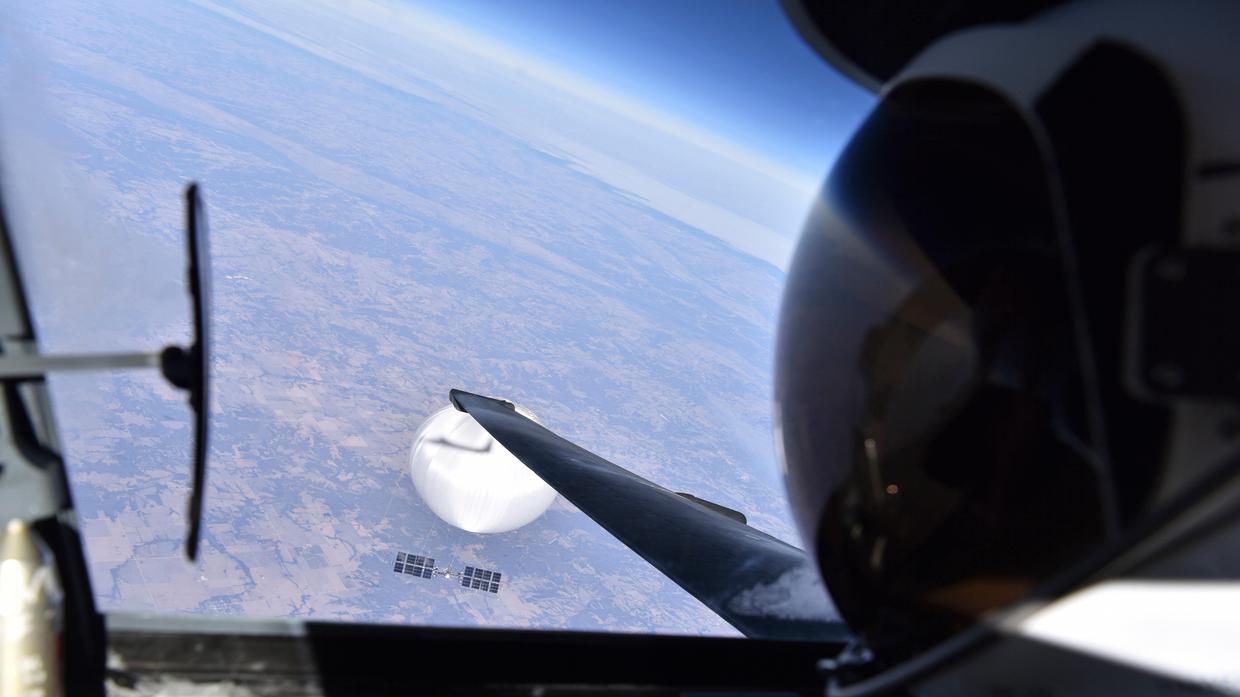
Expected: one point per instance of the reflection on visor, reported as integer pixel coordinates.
(928, 372)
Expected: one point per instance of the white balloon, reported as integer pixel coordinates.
(471, 481)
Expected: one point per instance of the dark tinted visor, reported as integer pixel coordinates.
(929, 382)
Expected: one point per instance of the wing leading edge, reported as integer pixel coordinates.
(758, 584)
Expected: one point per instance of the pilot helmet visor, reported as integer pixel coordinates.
(933, 404)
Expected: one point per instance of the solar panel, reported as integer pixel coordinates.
(414, 565)
(480, 579)
(418, 566)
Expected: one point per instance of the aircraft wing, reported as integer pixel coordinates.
(760, 585)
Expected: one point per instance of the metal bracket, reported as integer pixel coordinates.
(184, 367)
(29, 366)
(1183, 331)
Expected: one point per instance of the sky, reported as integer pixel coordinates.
(736, 69)
(731, 130)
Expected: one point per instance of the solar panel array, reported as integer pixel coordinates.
(414, 565)
(480, 579)
(424, 567)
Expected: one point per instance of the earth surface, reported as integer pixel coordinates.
(396, 209)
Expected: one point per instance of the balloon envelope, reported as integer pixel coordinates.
(471, 481)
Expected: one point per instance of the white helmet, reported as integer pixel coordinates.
(1008, 344)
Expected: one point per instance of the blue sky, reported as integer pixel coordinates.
(734, 68)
